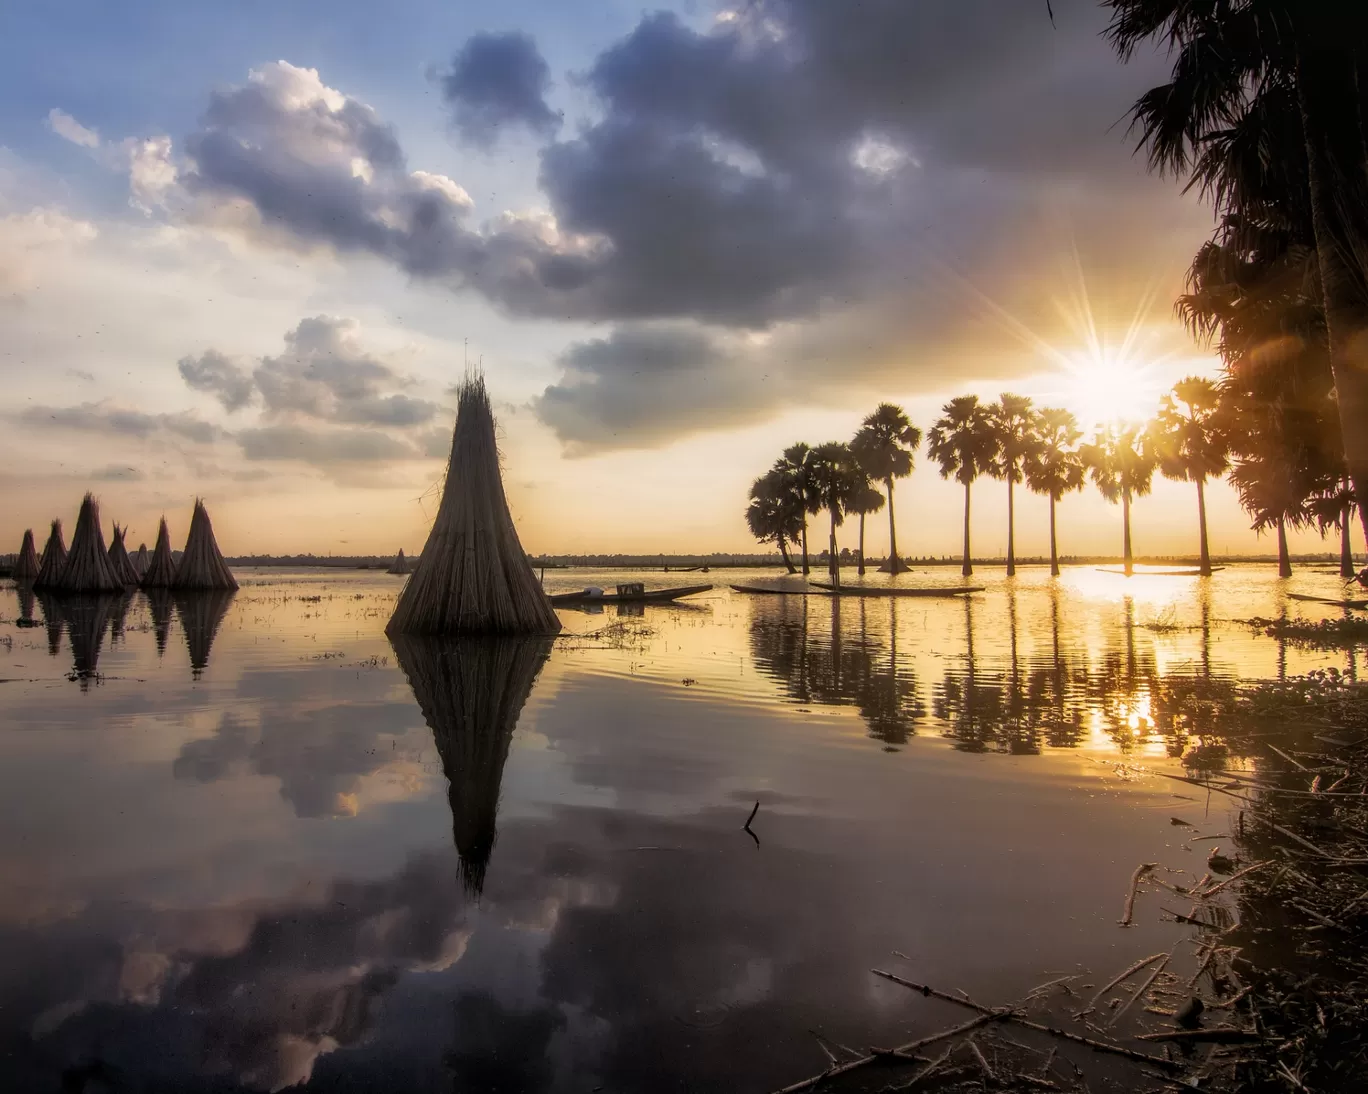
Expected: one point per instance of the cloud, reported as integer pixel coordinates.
(498, 82)
(118, 473)
(68, 128)
(105, 418)
(220, 376)
(322, 447)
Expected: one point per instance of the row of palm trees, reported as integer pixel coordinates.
(1200, 432)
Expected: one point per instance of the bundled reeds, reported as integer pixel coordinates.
(52, 621)
(161, 570)
(201, 611)
(86, 617)
(118, 558)
(471, 692)
(26, 602)
(88, 569)
(201, 565)
(161, 607)
(472, 576)
(54, 559)
(26, 566)
(142, 560)
(401, 564)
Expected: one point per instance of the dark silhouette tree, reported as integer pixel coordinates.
(1191, 445)
(772, 515)
(1054, 467)
(863, 500)
(1014, 428)
(883, 447)
(835, 477)
(795, 467)
(964, 443)
(1120, 460)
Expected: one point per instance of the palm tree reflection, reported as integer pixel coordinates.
(832, 670)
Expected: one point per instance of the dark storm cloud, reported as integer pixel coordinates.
(217, 374)
(111, 420)
(496, 82)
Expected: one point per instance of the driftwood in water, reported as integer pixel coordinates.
(471, 692)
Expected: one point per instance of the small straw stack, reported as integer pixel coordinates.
(201, 565)
(26, 568)
(54, 559)
(118, 557)
(88, 569)
(161, 569)
(473, 577)
(401, 564)
(142, 560)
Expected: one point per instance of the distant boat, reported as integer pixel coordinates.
(1154, 573)
(1329, 600)
(889, 590)
(629, 596)
(760, 590)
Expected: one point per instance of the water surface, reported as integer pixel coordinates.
(246, 843)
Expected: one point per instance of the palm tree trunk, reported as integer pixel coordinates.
(1204, 560)
(1127, 561)
(1346, 547)
(806, 569)
(966, 567)
(835, 565)
(783, 550)
(895, 565)
(1284, 560)
(862, 565)
(1011, 530)
(1336, 162)
(1054, 553)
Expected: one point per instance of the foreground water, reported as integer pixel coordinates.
(245, 842)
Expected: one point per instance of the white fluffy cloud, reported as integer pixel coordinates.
(68, 128)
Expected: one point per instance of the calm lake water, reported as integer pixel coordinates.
(246, 843)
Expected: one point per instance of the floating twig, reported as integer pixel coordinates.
(1221, 1035)
(1140, 871)
(1140, 992)
(747, 826)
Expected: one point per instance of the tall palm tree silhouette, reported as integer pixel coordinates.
(834, 476)
(883, 447)
(1192, 446)
(1054, 467)
(772, 515)
(1121, 462)
(962, 441)
(795, 468)
(1014, 426)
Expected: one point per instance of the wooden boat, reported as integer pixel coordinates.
(1328, 600)
(649, 596)
(760, 590)
(875, 590)
(1154, 573)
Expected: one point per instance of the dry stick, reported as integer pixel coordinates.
(1117, 979)
(982, 1061)
(1204, 786)
(1295, 763)
(1304, 842)
(1140, 992)
(928, 1069)
(1233, 877)
(1224, 1035)
(901, 1052)
(1140, 871)
(1011, 1016)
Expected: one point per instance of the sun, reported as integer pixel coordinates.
(1104, 386)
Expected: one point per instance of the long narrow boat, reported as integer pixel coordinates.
(760, 590)
(650, 596)
(875, 590)
(1154, 573)
(1329, 600)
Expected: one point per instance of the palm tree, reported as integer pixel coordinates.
(795, 467)
(1014, 426)
(884, 446)
(834, 476)
(1266, 101)
(1054, 467)
(863, 500)
(964, 443)
(1191, 444)
(772, 514)
(1121, 461)
(1273, 496)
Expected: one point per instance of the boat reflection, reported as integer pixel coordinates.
(471, 692)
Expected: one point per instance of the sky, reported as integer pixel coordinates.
(247, 251)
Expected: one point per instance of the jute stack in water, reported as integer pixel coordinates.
(201, 565)
(88, 569)
(118, 557)
(142, 560)
(54, 559)
(473, 577)
(26, 567)
(401, 564)
(161, 569)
